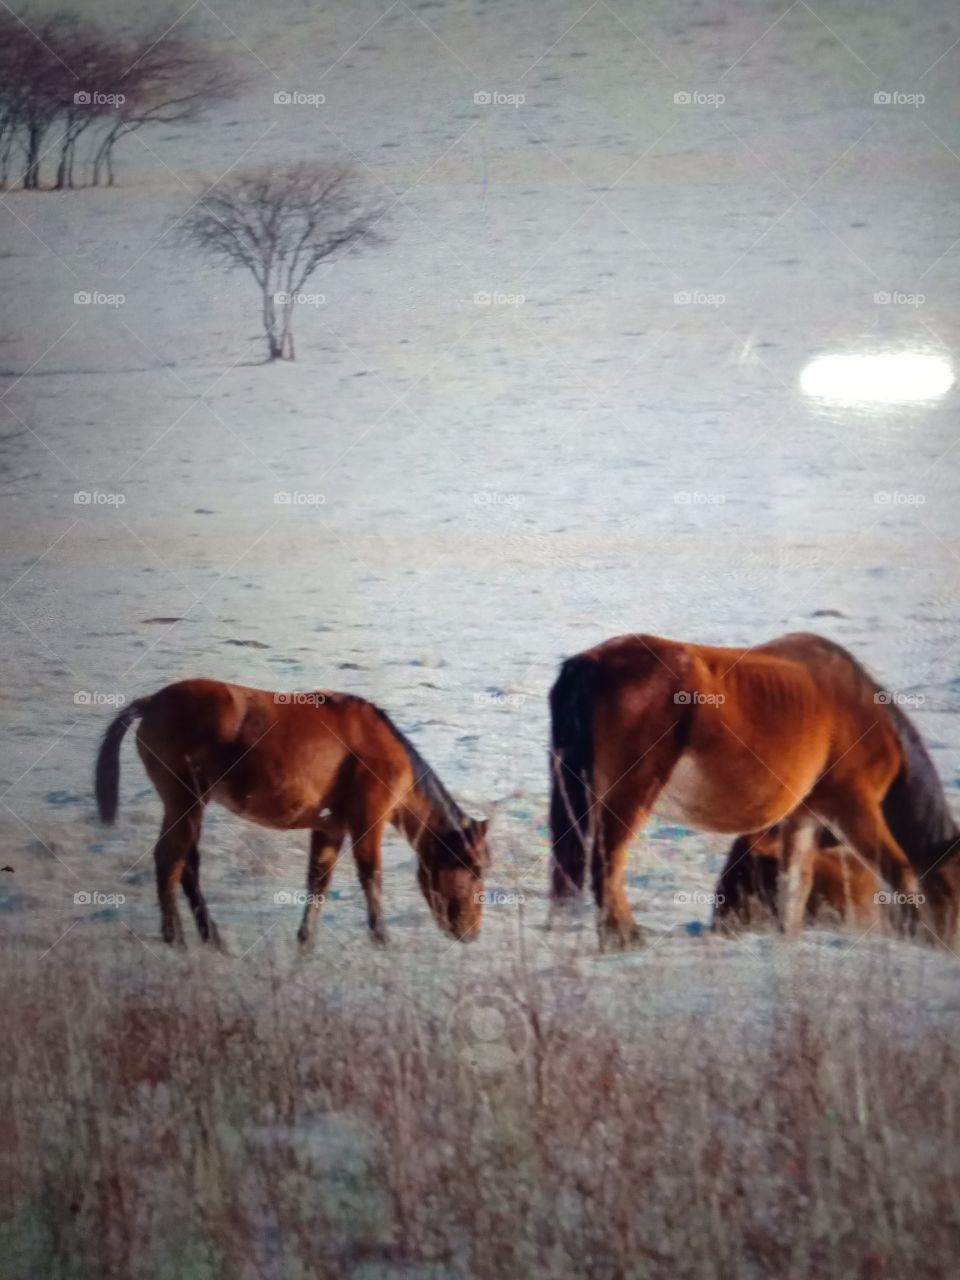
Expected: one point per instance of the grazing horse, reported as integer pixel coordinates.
(331, 763)
(841, 885)
(793, 732)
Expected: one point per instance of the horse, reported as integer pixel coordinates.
(841, 886)
(331, 763)
(736, 740)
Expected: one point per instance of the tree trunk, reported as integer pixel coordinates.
(286, 337)
(271, 326)
(31, 174)
(63, 166)
(5, 155)
(103, 159)
(97, 164)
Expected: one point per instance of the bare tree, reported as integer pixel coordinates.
(280, 224)
(60, 77)
(13, 89)
(167, 78)
(89, 96)
(36, 82)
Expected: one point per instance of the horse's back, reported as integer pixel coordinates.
(181, 716)
(200, 718)
(274, 757)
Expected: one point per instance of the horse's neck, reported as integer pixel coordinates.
(417, 814)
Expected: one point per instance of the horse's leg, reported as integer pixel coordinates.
(618, 816)
(864, 829)
(799, 851)
(738, 889)
(324, 851)
(615, 829)
(190, 881)
(178, 835)
(366, 836)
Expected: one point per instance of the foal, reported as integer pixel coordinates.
(331, 763)
(841, 885)
(736, 740)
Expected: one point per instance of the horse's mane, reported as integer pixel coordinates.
(424, 778)
(915, 806)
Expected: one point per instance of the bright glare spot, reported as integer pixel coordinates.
(904, 378)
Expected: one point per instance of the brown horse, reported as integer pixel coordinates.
(793, 732)
(331, 763)
(840, 886)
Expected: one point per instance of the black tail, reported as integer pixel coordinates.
(107, 775)
(571, 764)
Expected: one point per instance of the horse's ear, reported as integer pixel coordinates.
(478, 836)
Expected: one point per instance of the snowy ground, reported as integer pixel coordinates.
(502, 484)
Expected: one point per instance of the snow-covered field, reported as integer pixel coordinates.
(489, 485)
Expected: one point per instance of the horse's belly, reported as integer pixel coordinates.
(708, 801)
(275, 809)
(684, 798)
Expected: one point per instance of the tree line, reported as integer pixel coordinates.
(71, 92)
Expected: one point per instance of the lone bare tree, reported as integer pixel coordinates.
(280, 224)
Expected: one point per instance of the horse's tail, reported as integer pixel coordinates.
(107, 774)
(571, 764)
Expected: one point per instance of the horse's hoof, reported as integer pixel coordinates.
(621, 935)
(564, 909)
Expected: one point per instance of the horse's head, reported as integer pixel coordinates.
(450, 872)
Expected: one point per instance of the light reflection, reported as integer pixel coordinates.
(907, 377)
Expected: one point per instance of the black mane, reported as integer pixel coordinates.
(424, 778)
(915, 807)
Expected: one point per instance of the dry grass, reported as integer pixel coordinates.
(195, 1117)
